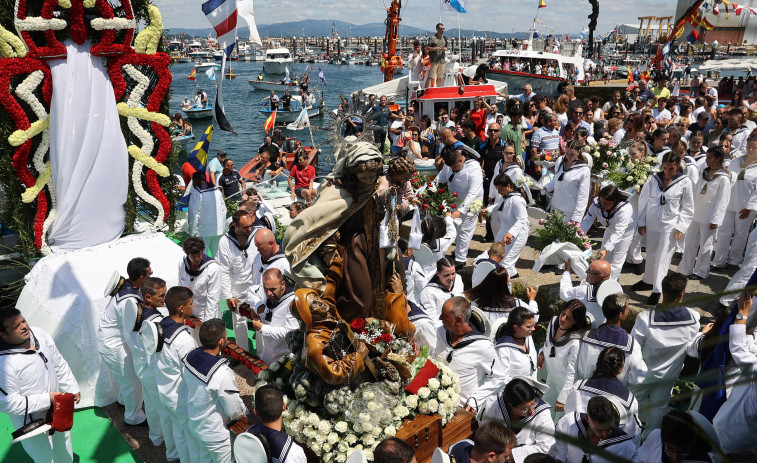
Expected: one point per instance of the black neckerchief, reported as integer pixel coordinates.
(514, 193)
(434, 283)
(580, 163)
(705, 174)
(565, 339)
(206, 260)
(660, 182)
(608, 215)
(241, 247)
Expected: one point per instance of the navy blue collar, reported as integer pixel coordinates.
(608, 335)
(278, 441)
(204, 263)
(460, 452)
(616, 436)
(171, 329)
(127, 290)
(233, 238)
(279, 255)
(671, 316)
(203, 365)
(605, 386)
(539, 406)
(416, 313)
(660, 182)
(288, 289)
(434, 283)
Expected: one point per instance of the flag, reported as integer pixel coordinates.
(198, 158)
(270, 122)
(192, 75)
(320, 75)
(453, 5)
(630, 75)
(693, 37)
(737, 9)
(302, 121)
(542, 4)
(222, 15)
(716, 10)
(245, 11)
(211, 73)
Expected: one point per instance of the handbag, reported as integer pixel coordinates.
(415, 239)
(385, 232)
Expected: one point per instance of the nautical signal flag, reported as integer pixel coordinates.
(270, 122)
(542, 4)
(222, 15)
(693, 37)
(453, 5)
(193, 74)
(198, 158)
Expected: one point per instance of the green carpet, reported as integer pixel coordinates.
(93, 437)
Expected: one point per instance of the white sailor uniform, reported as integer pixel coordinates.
(576, 425)
(205, 283)
(710, 203)
(516, 361)
(283, 448)
(740, 136)
(741, 277)
(177, 343)
(560, 363)
(585, 293)
(415, 280)
(213, 402)
(584, 390)
(662, 211)
(278, 260)
(495, 313)
(651, 450)
(277, 322)
(535, 433)
(236, 260)
(206, 215)
(513, 219)
(116, 354)
(734, 422)
(434, 295)
(515, 173)
(439, 247)
(606, 335)
(28, 377)
(476, 363)
(425, 327)
(570, 189)
(468, 183)
(732, 235)
(619, 226)
(663, 336)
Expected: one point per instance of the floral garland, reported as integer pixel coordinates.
(606, 156)
(633, 174)
(54, 48)
(147, 40)
(10, 45)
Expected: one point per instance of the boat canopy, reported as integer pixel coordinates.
(743, 65)
(277, 53)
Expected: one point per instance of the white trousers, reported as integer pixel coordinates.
(512, 253)
(655, 397)
(660, 248)
(215, 452)
(617, 256)
(178, 421)
(153, 409)
(732, 237)
(240, 331)
(119, 362)
(741, 278)
(44, 448)
(465, 225)
(634, 249)
(699, 242)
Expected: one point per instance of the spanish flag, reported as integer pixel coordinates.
(542, 4)
(192, 74)
(198, 158)
(270, 122)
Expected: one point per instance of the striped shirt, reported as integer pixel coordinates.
(544, 139)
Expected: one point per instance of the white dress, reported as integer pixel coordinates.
(570, 189)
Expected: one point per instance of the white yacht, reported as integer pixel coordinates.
(277, 60)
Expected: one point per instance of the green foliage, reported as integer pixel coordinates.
(555, 230)
(231, 206)
(280, 229)
(539, 336)
(633, 174)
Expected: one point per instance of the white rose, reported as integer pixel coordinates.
(350, 439)
(357, 427)
(308, 432)
(372, 406)
(376, 431)
(401, 411)
(433, 384)
(368, 439)
(326, 447)
(368, 455)
(324, 427)
(342, 447)
(341, 426)
(341, 457)
(596, 154)
(629, 178)
(629, 166)
(364, 417)
(443, 395)
(367, 427)
(368, 395)
(424, 392)
(433, 405)
(443, 410)
(423, 408)
(411, 401)
(390, 431)
(450, 404)
(446, 380)
(333, 438)
(328, 457)
(313, 419)
(358, 447)
(316, 447)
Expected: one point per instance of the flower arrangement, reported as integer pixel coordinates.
(606, 156)
(555, 229)
(476, 206)
(435, 200)
(633, 174)
(546, 158)
(371, 332)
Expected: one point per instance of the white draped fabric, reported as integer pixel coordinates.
(87, 153)
(245, 10)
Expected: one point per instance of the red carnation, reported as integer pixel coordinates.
(425, 206)
(441, 190)
(441, 207)
(386, 337)
(454, 194)
(454, 206)
(419, 195)
(358, 324)
(415, 174)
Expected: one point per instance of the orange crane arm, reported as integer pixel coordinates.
(389, 60)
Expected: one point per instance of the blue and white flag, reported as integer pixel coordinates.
(222, 15)
(302, 121)
(453, 5)
(320, 74)
(211, 73)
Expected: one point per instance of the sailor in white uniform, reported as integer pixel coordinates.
(510, 166)
(586, 292)
(741, 210)
(275, 318)
(269, 406)
(679, 437)
(492, 442)
(464, 177)
(415, 278)
(270, 255)
(213, 399)
(519, 402)
(711, 195)
(201, 274)
(618, 217)
(469, 353)
(438, 246)
(513, 227)
(111, 344)
(445, 284)
(515, 348)
(571, 183)
(494, 297)
(610, 334)
(597, 426)
(425, 327)
(741, 277)
(666, 208)
(177, 343)
(604, 382)
(206, 212)
(236, 254)
(33, 372)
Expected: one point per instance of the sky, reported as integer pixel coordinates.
(563, 16)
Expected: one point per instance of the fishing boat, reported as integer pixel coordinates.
(199, 112)
(267, 86)
(277, 60)
(285, 117)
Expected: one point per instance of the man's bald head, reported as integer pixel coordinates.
(265, 241)
(599, 271)
(273, 274)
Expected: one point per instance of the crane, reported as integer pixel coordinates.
(389, 60)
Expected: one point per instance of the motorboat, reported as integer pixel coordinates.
(277, 60)
(285, 117)
(199, 112)
(181, 142)
(203, 66)
(267, 86)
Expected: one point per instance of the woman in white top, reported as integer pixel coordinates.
(513, 222)
(711, 195)
(446, 283)
(559, 353)
(666, 207)
(571, 184)
(616, 214)
(494, 298)
(515, 346)
(510, 164)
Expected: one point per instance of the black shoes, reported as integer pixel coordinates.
(641, 285)
(143, 424)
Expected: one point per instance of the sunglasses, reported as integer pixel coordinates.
(493, 130)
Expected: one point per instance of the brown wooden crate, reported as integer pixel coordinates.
(423, 433)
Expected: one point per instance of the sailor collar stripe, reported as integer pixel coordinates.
(627, 401)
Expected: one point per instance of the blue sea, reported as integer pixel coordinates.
(242, 105)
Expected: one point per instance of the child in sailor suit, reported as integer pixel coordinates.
(468, 184)
(205, 282)
(619, 223)
(516, 361)
(25, 386)
(741, 210)
(513, 221)
(741, 277)
(576, 425)
(415, 279)
(435, 294)
(570, 186)
(711, 195)
(514, 172)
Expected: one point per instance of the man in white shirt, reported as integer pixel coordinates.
(201, 274)
(206, 213)
(275, 318)
(269, 406)
(33, 374)
(270, 255)
(527, 94)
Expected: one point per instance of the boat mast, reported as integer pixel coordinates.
(392, 61)
(529, 44)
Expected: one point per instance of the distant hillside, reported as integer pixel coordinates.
(323, 27)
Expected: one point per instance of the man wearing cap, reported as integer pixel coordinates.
(215, 166)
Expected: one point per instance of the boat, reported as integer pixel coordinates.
(277, 60)
(285, 117)
(230, 73)
(199, 112)
(246, 170)
(181, 142)
(268, 86)
(203, 66)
